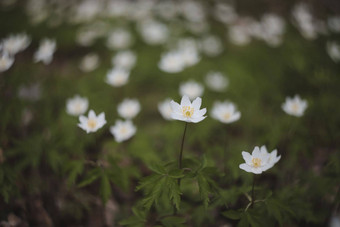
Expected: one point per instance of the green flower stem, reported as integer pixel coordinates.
(252, 192)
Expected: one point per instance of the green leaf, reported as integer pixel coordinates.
(232, 214)
(173, 221)
(157, 168)
(90, 177)
(105, 188)
(174, 192)
(176, 173)
(204, 189)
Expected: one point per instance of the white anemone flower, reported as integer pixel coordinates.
(225, 112)
(192, 89)
(153, 32)
(89, 62)
(165, 109)
(117, 77)
(92, 123)
(77, 105)
(6, 61)
(257, 162)
(216, 81)
(124, 59)
(16, 43)
(211, 45)
(294, 106)
(187, 111)
(119, 39)
(128, 108)
(273, 158)
(45, 51)
(123, 130)
(172, 62)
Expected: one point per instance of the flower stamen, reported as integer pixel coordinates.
(187, 111)
(256, 162)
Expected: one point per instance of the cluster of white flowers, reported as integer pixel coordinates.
(259, 160)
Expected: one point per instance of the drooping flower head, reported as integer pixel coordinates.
(187, 111)
(259, 161)
(92, 123)
(123, 130)
(294, 106)
(225, 112)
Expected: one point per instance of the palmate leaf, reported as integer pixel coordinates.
(174, 192)
(105, 188)
(91, 176)
(173, 221)
(204, 189)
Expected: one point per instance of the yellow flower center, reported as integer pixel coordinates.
(187, 111)
(91, 123)
(226, 116)
(256, 162)
(295, 107)
(123, 130)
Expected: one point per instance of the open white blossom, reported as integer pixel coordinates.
(128, 108)
(45, 51)
(171, 62)
(225, 112)
(294, 106)
(216, 81)
(119, 39)
(187, 111)
(16, 43)
(89, 62)
(77, 105)
(165, 109)
(124, 59)
(117, 77)
(259, 161)
(191, 89)
(333, 50)
(123, 130)
(153, 32)
(92, 123)
(6, 61)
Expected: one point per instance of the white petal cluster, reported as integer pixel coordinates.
(333, 50)
(92, 123)
(171, 62)
(6, 61)
(259, 161)
(119, 39)
(294, 106)
(153, 32)
(165, 109)
(89, 62)
(191, 88)
(128, 108)
(123, 130)
(45, 52)
(16, 43)
(225, 112)
(124, 59)
(216, 81)
(187, 111)
(117, 77)
(77, 105)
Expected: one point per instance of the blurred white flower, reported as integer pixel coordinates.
(211, 45)
(259, 161)
(192, 11)
(128, 108)
(77, 105)
(117, 77)
(187, 111)
(6, 61)
(225, 13)
(118, 8)
(189, 56)
(166, 9)
(239, 34)
(87, 10)
(334, 23)
(119, 39)
(153, 32)
(123, 130)
(89, 62)
(191, 89)
(216, 81)
(92, 123)
(171, 62)
(333, 50)
(124, 59)
(294, 106)
(225, 112)
(16, 43)
(45, 51)
(334, 220)
(165, 109)
(273, 28)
